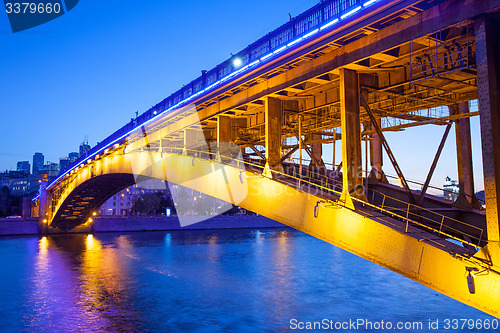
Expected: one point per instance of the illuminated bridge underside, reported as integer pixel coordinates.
(416, 254)
(384, 66)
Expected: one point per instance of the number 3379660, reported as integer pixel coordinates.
(32, 8)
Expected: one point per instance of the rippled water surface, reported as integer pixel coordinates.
(207, 281)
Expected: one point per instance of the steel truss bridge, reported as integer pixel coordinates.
(347, 71)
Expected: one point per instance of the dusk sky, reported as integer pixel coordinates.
(88, 72)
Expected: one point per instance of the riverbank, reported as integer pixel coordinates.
(29, 226)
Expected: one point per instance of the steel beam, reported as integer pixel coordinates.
(316, 149)
(433, 166)
(273, 124)
(388, 150)
(258, 152)
(351, 137)
(224, 137)
(376, 156)
(466, 197)
(189, 139)
(488, 73)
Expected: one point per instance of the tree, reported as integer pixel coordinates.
(5, 201)
(151, 204)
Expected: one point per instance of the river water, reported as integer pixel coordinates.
(243, 280)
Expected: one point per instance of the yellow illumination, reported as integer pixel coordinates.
(94, 213)
(90, 242)
(43, 245)
(116, 145)
(45, 221)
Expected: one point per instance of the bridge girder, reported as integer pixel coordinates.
(318, 76)
(416, 254)
(308, 87)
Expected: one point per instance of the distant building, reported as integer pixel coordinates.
(64, 163)
(38, 161)
(20, 183)
(73, 156)
(450, 189)
(13, 174)
(24, 166)
(122, 202)
(84, 148)
(23, 186)
(52, 169)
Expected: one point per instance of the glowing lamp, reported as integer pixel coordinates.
(237, 62)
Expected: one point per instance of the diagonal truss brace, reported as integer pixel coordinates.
(433, 166)
(306, 147)
(387, 148)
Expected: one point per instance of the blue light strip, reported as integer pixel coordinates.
(349, 13)
(280, 49)
(311, 33)
(368, 3)
(227, 77)
(295, 41)
(329, 24)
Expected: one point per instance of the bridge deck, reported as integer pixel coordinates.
(405, 61)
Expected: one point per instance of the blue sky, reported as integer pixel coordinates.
(89, 71)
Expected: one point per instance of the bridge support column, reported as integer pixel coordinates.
(273, 121)
(44, 203)
(376, 157)
(316, 149)
(351, 138)
(488, 75)
(189, 140)
(223, 135)
(466, 196)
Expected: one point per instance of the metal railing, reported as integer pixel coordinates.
(427, 218)
(418, 184)
(326, 186)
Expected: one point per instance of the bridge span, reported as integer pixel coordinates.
(348, 71)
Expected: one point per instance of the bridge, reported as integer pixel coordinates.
(251, 130)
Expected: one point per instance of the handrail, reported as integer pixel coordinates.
(433, 187)
(410, 210)
(408, 180)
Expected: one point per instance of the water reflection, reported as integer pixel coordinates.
(103, 289)
(223, 281)
(79, 285)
